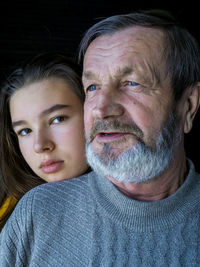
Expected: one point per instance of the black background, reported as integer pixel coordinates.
(30, 27)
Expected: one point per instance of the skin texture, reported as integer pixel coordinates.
(125, 79)
(48, 120)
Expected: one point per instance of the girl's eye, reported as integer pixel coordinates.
(24, 132)
(59, 119)
(92, 87)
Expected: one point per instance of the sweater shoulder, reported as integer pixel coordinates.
(74, 191)
(46, 201)
(54, 214)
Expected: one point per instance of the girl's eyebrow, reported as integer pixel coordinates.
(43, 113)
(53, 108)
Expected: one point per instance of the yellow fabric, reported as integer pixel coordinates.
(9, 203)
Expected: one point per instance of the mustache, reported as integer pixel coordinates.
(115, 126)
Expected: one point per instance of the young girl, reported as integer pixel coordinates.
(41, 128)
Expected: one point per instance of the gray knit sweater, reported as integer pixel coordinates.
(87, 222)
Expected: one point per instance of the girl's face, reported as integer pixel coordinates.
(48, 120)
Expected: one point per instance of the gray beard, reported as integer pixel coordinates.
(140, 163)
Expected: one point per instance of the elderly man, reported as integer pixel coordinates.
(140, 205)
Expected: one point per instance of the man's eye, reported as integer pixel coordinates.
(59, 119)
(132, 83)
(92, 88)
(24, 132)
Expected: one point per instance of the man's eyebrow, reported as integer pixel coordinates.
(89, 75)
(43, 113)
(126, 71)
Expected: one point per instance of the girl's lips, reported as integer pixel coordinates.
(52, 167)
(109, 136)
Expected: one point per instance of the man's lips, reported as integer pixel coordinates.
(109, 136)
(51, 166)
(113, 129)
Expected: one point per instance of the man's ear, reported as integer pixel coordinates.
(192, 102)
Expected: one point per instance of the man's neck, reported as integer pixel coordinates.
(159, 187)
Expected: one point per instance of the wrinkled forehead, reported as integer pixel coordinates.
(144, 40)
(140, 47)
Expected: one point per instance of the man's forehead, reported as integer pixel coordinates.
(143, 41)
(133, 33)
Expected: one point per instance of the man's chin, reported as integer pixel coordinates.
(112, 150)
(108, 152)
(138, 164)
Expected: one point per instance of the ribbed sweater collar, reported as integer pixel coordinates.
(147, 216)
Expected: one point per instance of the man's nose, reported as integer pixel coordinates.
(107, 104)
(43, 142)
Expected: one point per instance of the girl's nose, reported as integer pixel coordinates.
(43, 143)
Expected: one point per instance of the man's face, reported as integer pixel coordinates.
(128, 94)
